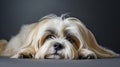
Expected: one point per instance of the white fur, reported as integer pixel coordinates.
(17, 42)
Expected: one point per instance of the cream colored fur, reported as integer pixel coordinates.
(30, 40)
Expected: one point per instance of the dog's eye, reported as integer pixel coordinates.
(50, 37)
(70, 39)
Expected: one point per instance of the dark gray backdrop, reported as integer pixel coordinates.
(100, 16)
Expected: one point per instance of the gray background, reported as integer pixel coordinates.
(100, 16)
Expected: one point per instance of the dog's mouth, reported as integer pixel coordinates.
(54, 56)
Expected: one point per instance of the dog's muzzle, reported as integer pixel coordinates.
(57, 47)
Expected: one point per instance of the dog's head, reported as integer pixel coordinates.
(63, 38)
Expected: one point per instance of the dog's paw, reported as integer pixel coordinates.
(90, 56)
(23, 55)
(87, 54)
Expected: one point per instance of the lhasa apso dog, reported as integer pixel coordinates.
(55, 37)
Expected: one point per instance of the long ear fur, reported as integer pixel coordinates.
(89, 41)
(100, 51)
(35, 35)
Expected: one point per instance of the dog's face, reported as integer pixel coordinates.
(62, 39)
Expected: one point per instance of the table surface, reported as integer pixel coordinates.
(5, 62)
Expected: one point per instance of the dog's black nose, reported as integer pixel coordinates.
(58, 46)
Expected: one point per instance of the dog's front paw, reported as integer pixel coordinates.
(23, 55)
(89, 56)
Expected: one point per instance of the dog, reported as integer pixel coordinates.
(55, 37)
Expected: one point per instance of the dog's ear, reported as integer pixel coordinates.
(34, 38)
(87, 40)
(100, 51)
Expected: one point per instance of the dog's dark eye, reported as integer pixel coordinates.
(70, 39)
(50, 37)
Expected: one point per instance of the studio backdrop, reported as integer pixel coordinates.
(102, 17)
